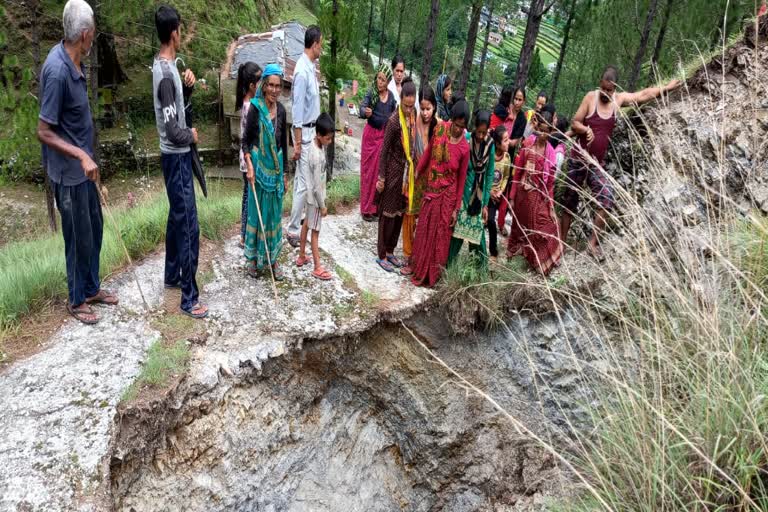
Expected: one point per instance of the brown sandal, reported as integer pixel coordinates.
(103, 297)
(82, 315)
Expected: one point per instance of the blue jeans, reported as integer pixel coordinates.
(182, 234)
(82, 226)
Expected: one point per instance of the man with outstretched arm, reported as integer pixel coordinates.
(593, 125)
(306, 110)
(182, 235)
(65, 128)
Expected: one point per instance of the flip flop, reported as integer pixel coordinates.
(385, 265)
(103, 297)
(198, 316)
(79, 315)
(322, 274)
(395, 261)
(301, 261)
(251, 270)
(293, 240)
(278, 272)
(406, 271)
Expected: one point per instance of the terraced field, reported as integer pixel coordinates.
(549, 41)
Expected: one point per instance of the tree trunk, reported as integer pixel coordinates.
(370, 26)
(35, 12)
(331, 153)
(110, 71)
(484, 55)
(469, 51)
(536, 11)
(400, 27)
(426, 64)
(93, 84)
(646, 35)
(563, 50)
(660, 38)
(383, 31)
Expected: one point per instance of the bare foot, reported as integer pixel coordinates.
(596, 251)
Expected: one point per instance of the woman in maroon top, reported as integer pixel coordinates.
(593, 124)
(534, 231)
(445, 163)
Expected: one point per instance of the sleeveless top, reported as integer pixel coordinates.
(602, 128)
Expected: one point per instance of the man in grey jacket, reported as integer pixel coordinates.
(182, 237)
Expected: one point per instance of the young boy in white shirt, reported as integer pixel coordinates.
(315, 209)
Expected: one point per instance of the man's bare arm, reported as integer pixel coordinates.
(645, 95)
(47, 136)
(296, 143)
(577, 124)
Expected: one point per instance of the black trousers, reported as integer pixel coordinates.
(389, 234)
(493, 232)
(182, 233)
(82, 225)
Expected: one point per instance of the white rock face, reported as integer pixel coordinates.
(58, 407)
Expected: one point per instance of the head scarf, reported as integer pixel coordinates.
(443, 110)
(272, 69)
(386, 70)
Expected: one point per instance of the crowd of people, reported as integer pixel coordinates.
(431, 174)
(435, 176)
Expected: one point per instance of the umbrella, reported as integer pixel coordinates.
(197, 164)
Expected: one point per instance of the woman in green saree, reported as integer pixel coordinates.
(470, 225)
(265, 146)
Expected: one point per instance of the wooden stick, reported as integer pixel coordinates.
(122, 242)
(266, 246)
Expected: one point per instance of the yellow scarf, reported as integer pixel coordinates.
(404, 126)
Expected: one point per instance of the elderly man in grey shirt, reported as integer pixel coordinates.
(65, 128)
(306, 109)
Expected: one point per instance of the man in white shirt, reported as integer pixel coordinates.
(306, 110)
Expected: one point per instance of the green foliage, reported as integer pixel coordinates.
(33, 273)
(163, 361)
(538, 76)
(20, 152)
(609, 33)
(335, 26)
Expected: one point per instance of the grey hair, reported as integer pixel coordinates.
(78, 17)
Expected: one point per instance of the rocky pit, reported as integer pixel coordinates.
(359, 424)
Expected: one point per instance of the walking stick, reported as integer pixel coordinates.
(266, 246)
(122, 242)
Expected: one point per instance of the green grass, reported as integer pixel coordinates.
(163, 361)
(478, 296)
(370, 299)
(346, 278)
(32, 273)
(296, 10)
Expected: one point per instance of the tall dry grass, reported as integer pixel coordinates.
(683, 419)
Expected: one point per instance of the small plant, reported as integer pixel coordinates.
(370, 299)
(163, 362)
(346, 278)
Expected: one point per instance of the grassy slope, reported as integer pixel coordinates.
(32, 273)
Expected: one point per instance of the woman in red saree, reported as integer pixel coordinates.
(535, 232)
(445, 163)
